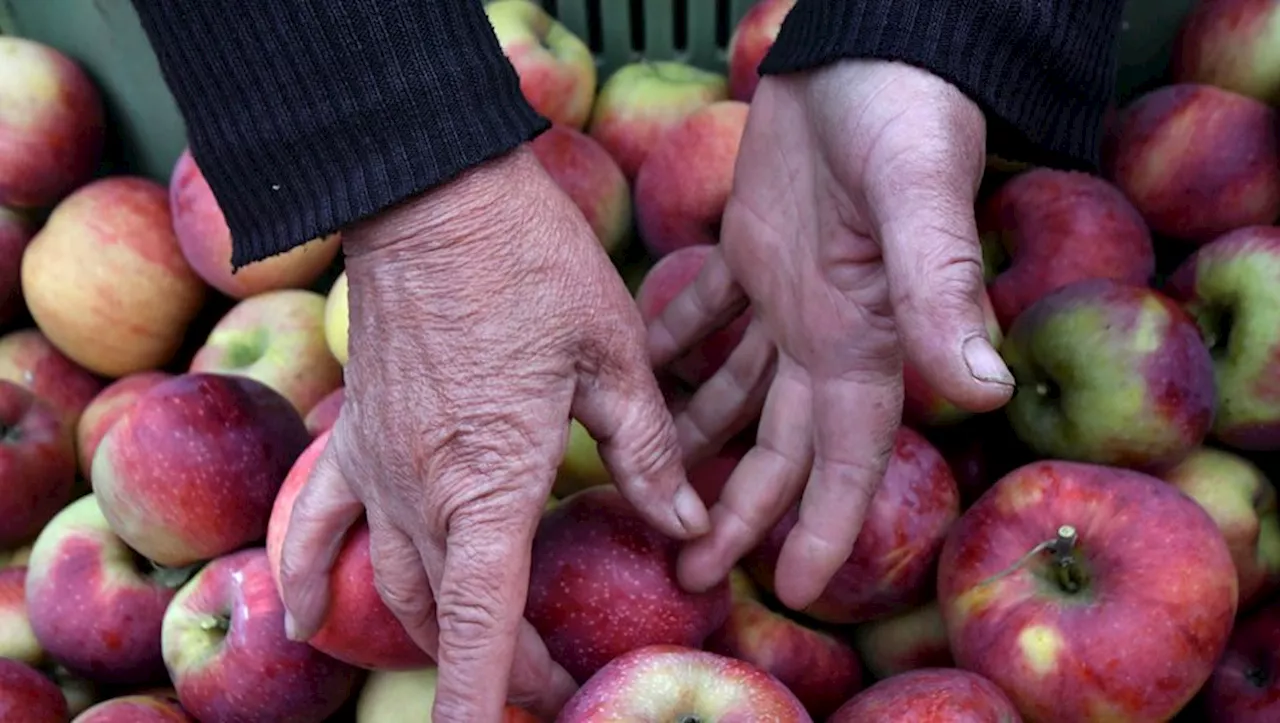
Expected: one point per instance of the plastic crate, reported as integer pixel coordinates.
(148, 132)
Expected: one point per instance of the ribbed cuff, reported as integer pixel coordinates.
(308, 116)
(1043, 72)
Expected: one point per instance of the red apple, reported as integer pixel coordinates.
(37, 464)
(277, 338)
(51, 124)
(556, 68)
(661, 683)
(106, 281)
(15, 233)
(1198, 161)
(26, 696)
(710, 476)
(27, 358)
(641, 101)
(684, 183)
(586, 172)
(751, 40)
(106, 408)
(190, 471)
(227, 654)
(931, 695)
(1245, 687)
(821, 670)
(324, 414)
(911, 640)
(1046, 228)
(1230, 44)
(1066, 573)
(17, 639)
(922, 405)
(358, 627)
(404, 696)
(891, 567)
(205, 240)
(603, 582)
(135, 709)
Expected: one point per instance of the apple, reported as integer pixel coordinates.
(37, 464)
(17, 639)
(684, 183)
(581, 467)
(709, 476)
(1046, 228)
(225, 648)
(1198, 161)
(931, 695)
(922, 405)
(105, 279)
(1231, 44)
(27, 358)
(407, 696)
(910, 640)
(751, 40)
(821, 670)
(1245, 687)
(337, 318)
(1231, 287)
(205, 240)
(1109, 373)
(190, 471)
(585, 171)
(51, 124)
(26, 696)
(642, 100)
(1064, 573)
(661, 683)
(106, 407)
(135, 709)
(15, 233)
(556, 68)
(277, 338)
(358, 627)
(602, 582)
(665, 280)
(324, 414)
(979, 451)
(891, 567)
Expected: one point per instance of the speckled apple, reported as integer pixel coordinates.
(910, 640)
(37, 464)
(135, 709)
(28, 358)
(751, 40)
(28, 696)
(585, 171)
(1231, 44)
(17, 639)
(1245, 687)
(930, 695)
(105, 408)
(556, 68)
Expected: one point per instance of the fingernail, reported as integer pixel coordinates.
(984, 363)
(291, 628)
(691, 511)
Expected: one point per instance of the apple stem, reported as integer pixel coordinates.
(1060, 547)
(1067, 571)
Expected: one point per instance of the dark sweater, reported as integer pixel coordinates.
(306, 116)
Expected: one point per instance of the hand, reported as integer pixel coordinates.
(482, 316)
(851, 233)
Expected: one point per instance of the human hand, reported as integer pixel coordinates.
(851, 234)
(481, 317)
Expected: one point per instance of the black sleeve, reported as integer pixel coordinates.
(307, 116)
(1042, 70)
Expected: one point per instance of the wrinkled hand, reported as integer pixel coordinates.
(851, 233)
(481, 317)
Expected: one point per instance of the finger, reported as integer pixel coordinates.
(322, 513)
(538, 683)
(401, 581)
(712, 301)
(730, 400)
(760, 488)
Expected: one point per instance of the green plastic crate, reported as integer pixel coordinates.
(148, 132)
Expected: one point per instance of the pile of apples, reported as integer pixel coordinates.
(1104, 548)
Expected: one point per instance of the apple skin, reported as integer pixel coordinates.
(27, 358)
(337, 318)
(277, 338)
(751, 40)
(205, 240)
(911, 640)
(641, 101)
(684, 183)
(930, 695)
(135, 709)
(190, 471)
(358, 628)
(585, 171)
(225, 648)
(15, 233)
(17, 639)
(556, 68)
(821, 670)
(325, 413)
(922, 405)
(1055, 227)
(28, 696)
(602, 582)
(1147, 588)
(1198, 161)
(1242, 501)
(51, 124)
(1109, 373)
(37, 465)
(105, 408)
(891, 568)
(660, 683)
(407, 696)
(1244, 687)
(1231, 44)
(112, 229)
(1230, 286)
